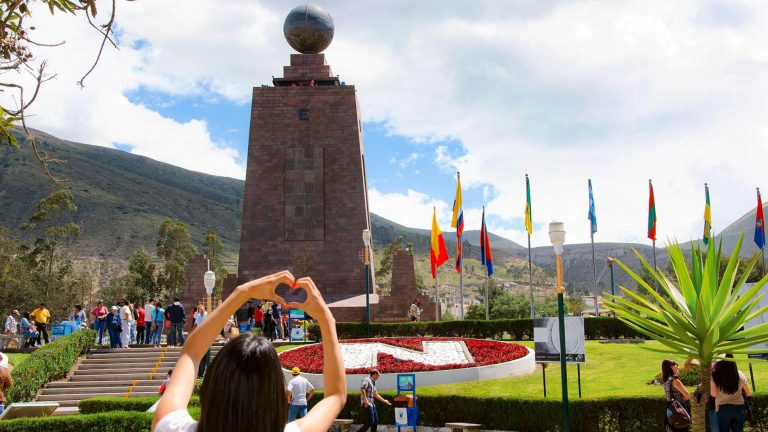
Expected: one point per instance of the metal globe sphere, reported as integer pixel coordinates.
(308, 29)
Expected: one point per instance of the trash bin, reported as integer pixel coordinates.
(406, 413)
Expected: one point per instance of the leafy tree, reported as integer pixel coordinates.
(705, 315)
(213, 250)
(174, 245)
(50, 221)
(141, 276)
(575, 304)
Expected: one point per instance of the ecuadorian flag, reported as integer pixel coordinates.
(437, 252)
(458, 222)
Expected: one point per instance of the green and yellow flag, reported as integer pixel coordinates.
(707, 216)
(528, 217)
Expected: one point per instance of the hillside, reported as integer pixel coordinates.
(122, 198)
(744, 225)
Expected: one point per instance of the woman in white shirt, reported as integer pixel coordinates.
(246, 376)
(199, 316)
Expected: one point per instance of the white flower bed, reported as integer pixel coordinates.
(364, 355)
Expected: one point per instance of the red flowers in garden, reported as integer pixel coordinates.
(485, 352)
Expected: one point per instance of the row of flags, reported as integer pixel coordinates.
(438, 254)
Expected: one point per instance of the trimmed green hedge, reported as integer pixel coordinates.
(517, 329)
(105, 422)
(48, 363)
(119, 403)
(636, 414)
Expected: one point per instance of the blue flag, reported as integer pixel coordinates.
(486, 257)
(592, 216)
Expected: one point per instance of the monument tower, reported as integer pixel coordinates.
(306, 202)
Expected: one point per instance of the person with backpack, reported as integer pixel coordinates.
(176, 316)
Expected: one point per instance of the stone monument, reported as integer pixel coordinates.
(306, 202)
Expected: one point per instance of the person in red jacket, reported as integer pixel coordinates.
(141, 325)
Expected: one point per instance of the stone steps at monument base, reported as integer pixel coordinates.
(106, 383)
(71, 400)
(80, 377)
(87, 391)
(126, 365)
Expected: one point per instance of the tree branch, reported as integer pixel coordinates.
(107, 30)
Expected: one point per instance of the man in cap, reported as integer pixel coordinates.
(300, 391)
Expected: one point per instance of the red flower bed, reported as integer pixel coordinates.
(485, 352)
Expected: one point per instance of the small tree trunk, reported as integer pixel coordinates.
(699, 409)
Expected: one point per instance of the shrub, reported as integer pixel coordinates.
(104, 422)
(48, 363)
(518, 329)
(120, 403)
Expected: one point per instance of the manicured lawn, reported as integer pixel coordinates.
(612, 370)
(16, 359)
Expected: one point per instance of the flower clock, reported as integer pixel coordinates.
(399, 355)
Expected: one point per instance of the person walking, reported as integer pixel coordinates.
(134, 318)
(158, 324)
(99, 314)
(367, 395)
(41, 315)
(114, 327)
(300, 391)
(675, 391)
(277, 314)
(6, 381)
(176, 315)
(12, 323)
(245, 377)
(126, 317)
(141, 325)
(730, 389)
(414, 313)
(148, 309)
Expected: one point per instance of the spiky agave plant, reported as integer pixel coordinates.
(703, 313)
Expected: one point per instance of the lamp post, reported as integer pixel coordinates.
(610, 265)
(557, 237)
(209, 280)
(367, 261)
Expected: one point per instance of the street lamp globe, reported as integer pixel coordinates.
(557, 236)
(367, 237)
(209, 280)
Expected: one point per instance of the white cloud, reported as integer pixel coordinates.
(409, 209)
(619, 91)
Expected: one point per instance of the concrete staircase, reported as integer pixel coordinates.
(131, 372)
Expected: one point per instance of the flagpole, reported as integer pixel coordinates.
(594, 266)
(437, 299)
(487, 306)
(530, 278)
(461, 288)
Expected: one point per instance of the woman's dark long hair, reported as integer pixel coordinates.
(726, 377)
(666, 369)
(244, 389)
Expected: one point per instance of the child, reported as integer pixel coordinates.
(165, 382)
(247, 376)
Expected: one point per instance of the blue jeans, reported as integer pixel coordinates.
(730, 418)
(99, 326)
(371, 418)
(176, 328)
(293, 410)
(157, 334)
(114, 337)
(2, 408)
(148, 333)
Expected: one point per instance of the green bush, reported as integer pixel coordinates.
(104, 422)
(120, 403)
(517, 329)
(48, 363)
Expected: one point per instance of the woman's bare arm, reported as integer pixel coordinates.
(321, 416)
